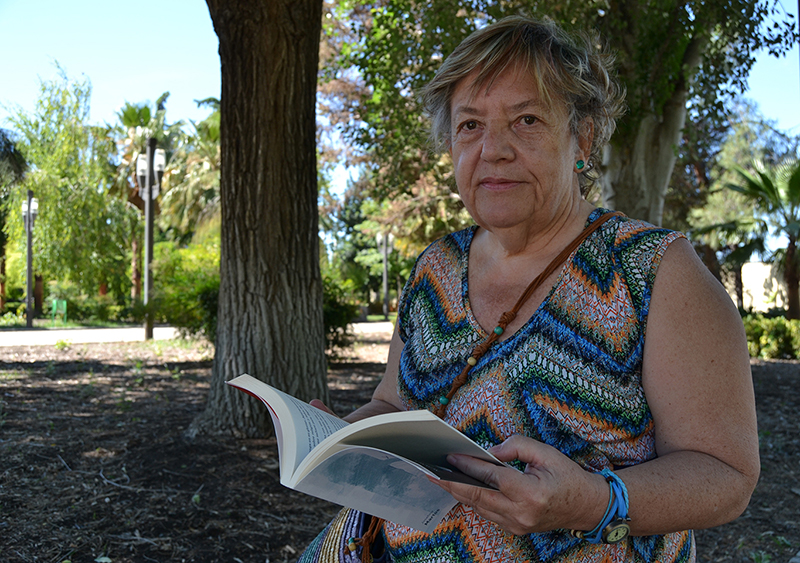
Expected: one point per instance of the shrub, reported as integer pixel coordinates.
(776, 340)
(772, 337)
(82, 307)
(753, 328)
(12, 319)
(338, 311)
(186, 288)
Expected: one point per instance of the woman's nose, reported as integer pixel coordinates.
(497, 145)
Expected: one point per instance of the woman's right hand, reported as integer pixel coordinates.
(553, 491)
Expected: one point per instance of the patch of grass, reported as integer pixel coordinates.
(381, 318)
(781, 541)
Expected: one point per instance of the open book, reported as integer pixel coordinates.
(378, 465)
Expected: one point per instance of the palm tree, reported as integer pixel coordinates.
(775, 192)
(12, 169)
(190, 199)
(726, 234)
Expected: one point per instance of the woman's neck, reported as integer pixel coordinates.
(535, 241)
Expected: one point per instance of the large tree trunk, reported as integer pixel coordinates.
(636, 171)
(637, 167)
(270, 297)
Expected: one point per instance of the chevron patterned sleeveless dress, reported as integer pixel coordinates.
(570, 377)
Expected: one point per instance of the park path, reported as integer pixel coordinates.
(49, 337)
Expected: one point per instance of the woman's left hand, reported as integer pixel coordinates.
(553, 492)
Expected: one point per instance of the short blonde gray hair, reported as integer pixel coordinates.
(574, 69)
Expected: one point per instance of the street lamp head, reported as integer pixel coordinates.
(160, 161)
(141, 172)
(29, 213)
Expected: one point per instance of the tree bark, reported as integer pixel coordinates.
(270, 297)
(38, 295)
(738, 283)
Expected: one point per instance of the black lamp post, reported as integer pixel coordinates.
(150, 170)
(30, 207)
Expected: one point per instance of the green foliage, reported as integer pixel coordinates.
(190, 200)
(186, 292)
(338, 311)
(82, 306)
(78, 234)
(774, 191)
(12, 318)
(186, 288)
(395, 47)
(773, 338)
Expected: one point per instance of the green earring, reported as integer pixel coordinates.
(579, 165)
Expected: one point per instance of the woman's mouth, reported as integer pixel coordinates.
(495, 184)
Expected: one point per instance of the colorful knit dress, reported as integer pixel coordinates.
(571, 377)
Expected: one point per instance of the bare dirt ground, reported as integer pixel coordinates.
(94, 466)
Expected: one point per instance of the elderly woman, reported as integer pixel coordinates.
(595, 353)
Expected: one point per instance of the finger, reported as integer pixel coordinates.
(505, 481)
(535, 454)
(483, 471)
(316, 403)
(478, 500)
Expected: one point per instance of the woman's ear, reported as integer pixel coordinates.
(585, 138)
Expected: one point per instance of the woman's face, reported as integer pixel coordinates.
(514, 156)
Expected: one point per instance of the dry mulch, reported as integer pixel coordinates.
(94, 466)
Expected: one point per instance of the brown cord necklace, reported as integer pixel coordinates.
(440, 409)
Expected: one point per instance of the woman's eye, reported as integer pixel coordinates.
(469, 125)
(529, 120)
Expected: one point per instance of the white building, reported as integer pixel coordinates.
(762, 290)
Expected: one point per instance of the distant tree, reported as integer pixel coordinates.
(670, 54)
(270, 297)
(725, 228)
(190, 196)
(12, 168)
(775, 192)
(77, 236)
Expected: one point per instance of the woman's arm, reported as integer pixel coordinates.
(385, 398)
(697, 381)
(699, 386)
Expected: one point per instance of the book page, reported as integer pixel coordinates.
(299, 427)
(316, 425)
(419, 436)
(380, 484)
